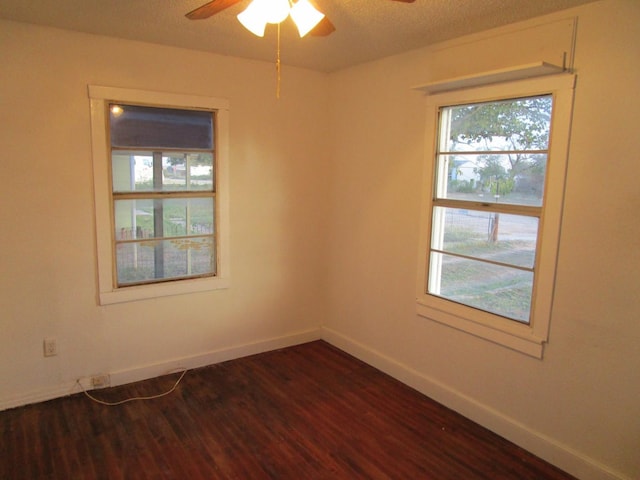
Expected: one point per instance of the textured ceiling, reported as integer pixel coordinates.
(365, 29)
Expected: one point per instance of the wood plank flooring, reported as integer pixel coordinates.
(305, 412)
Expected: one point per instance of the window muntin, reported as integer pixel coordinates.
(163, 197)
(132, 171)
(471, 233)
(489, 180)
(184, 217)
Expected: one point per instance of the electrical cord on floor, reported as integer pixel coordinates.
(132, 399)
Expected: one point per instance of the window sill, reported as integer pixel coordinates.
(144, 292)
(510, 334)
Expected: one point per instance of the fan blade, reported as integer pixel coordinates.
(324, 28)
(209, 9)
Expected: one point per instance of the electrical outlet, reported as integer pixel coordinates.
(50, 347)
(100, 381)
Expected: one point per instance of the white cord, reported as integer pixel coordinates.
(113, 404)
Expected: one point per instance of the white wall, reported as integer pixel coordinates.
(324, 229)
(580, 406)
(48, 282)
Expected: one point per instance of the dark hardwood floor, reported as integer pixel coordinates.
(305, 412)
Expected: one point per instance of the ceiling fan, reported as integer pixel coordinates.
(321, 25)
(304, 14)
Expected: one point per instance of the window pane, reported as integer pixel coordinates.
(152, 218)
(151, 127)
(493, 288)
(187, 172)
(510, 125)
(515, 178)
(152, 260)
(501, 151)
(133, 171)
(496, 237)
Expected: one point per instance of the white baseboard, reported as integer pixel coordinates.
(130, 375)
(547, 448)
(144, 372)
(36, 396)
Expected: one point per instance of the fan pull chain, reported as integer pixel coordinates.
(278, 66)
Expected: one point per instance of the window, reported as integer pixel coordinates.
(160, 186)
(491, 220)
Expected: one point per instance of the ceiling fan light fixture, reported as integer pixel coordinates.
(268, 11)
(252, 18)
(275, 11)
(305, 16)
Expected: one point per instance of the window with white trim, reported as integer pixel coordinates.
(496, 162)
(160, 186)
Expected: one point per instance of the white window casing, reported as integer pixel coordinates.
(528, 338)
(108, 292)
